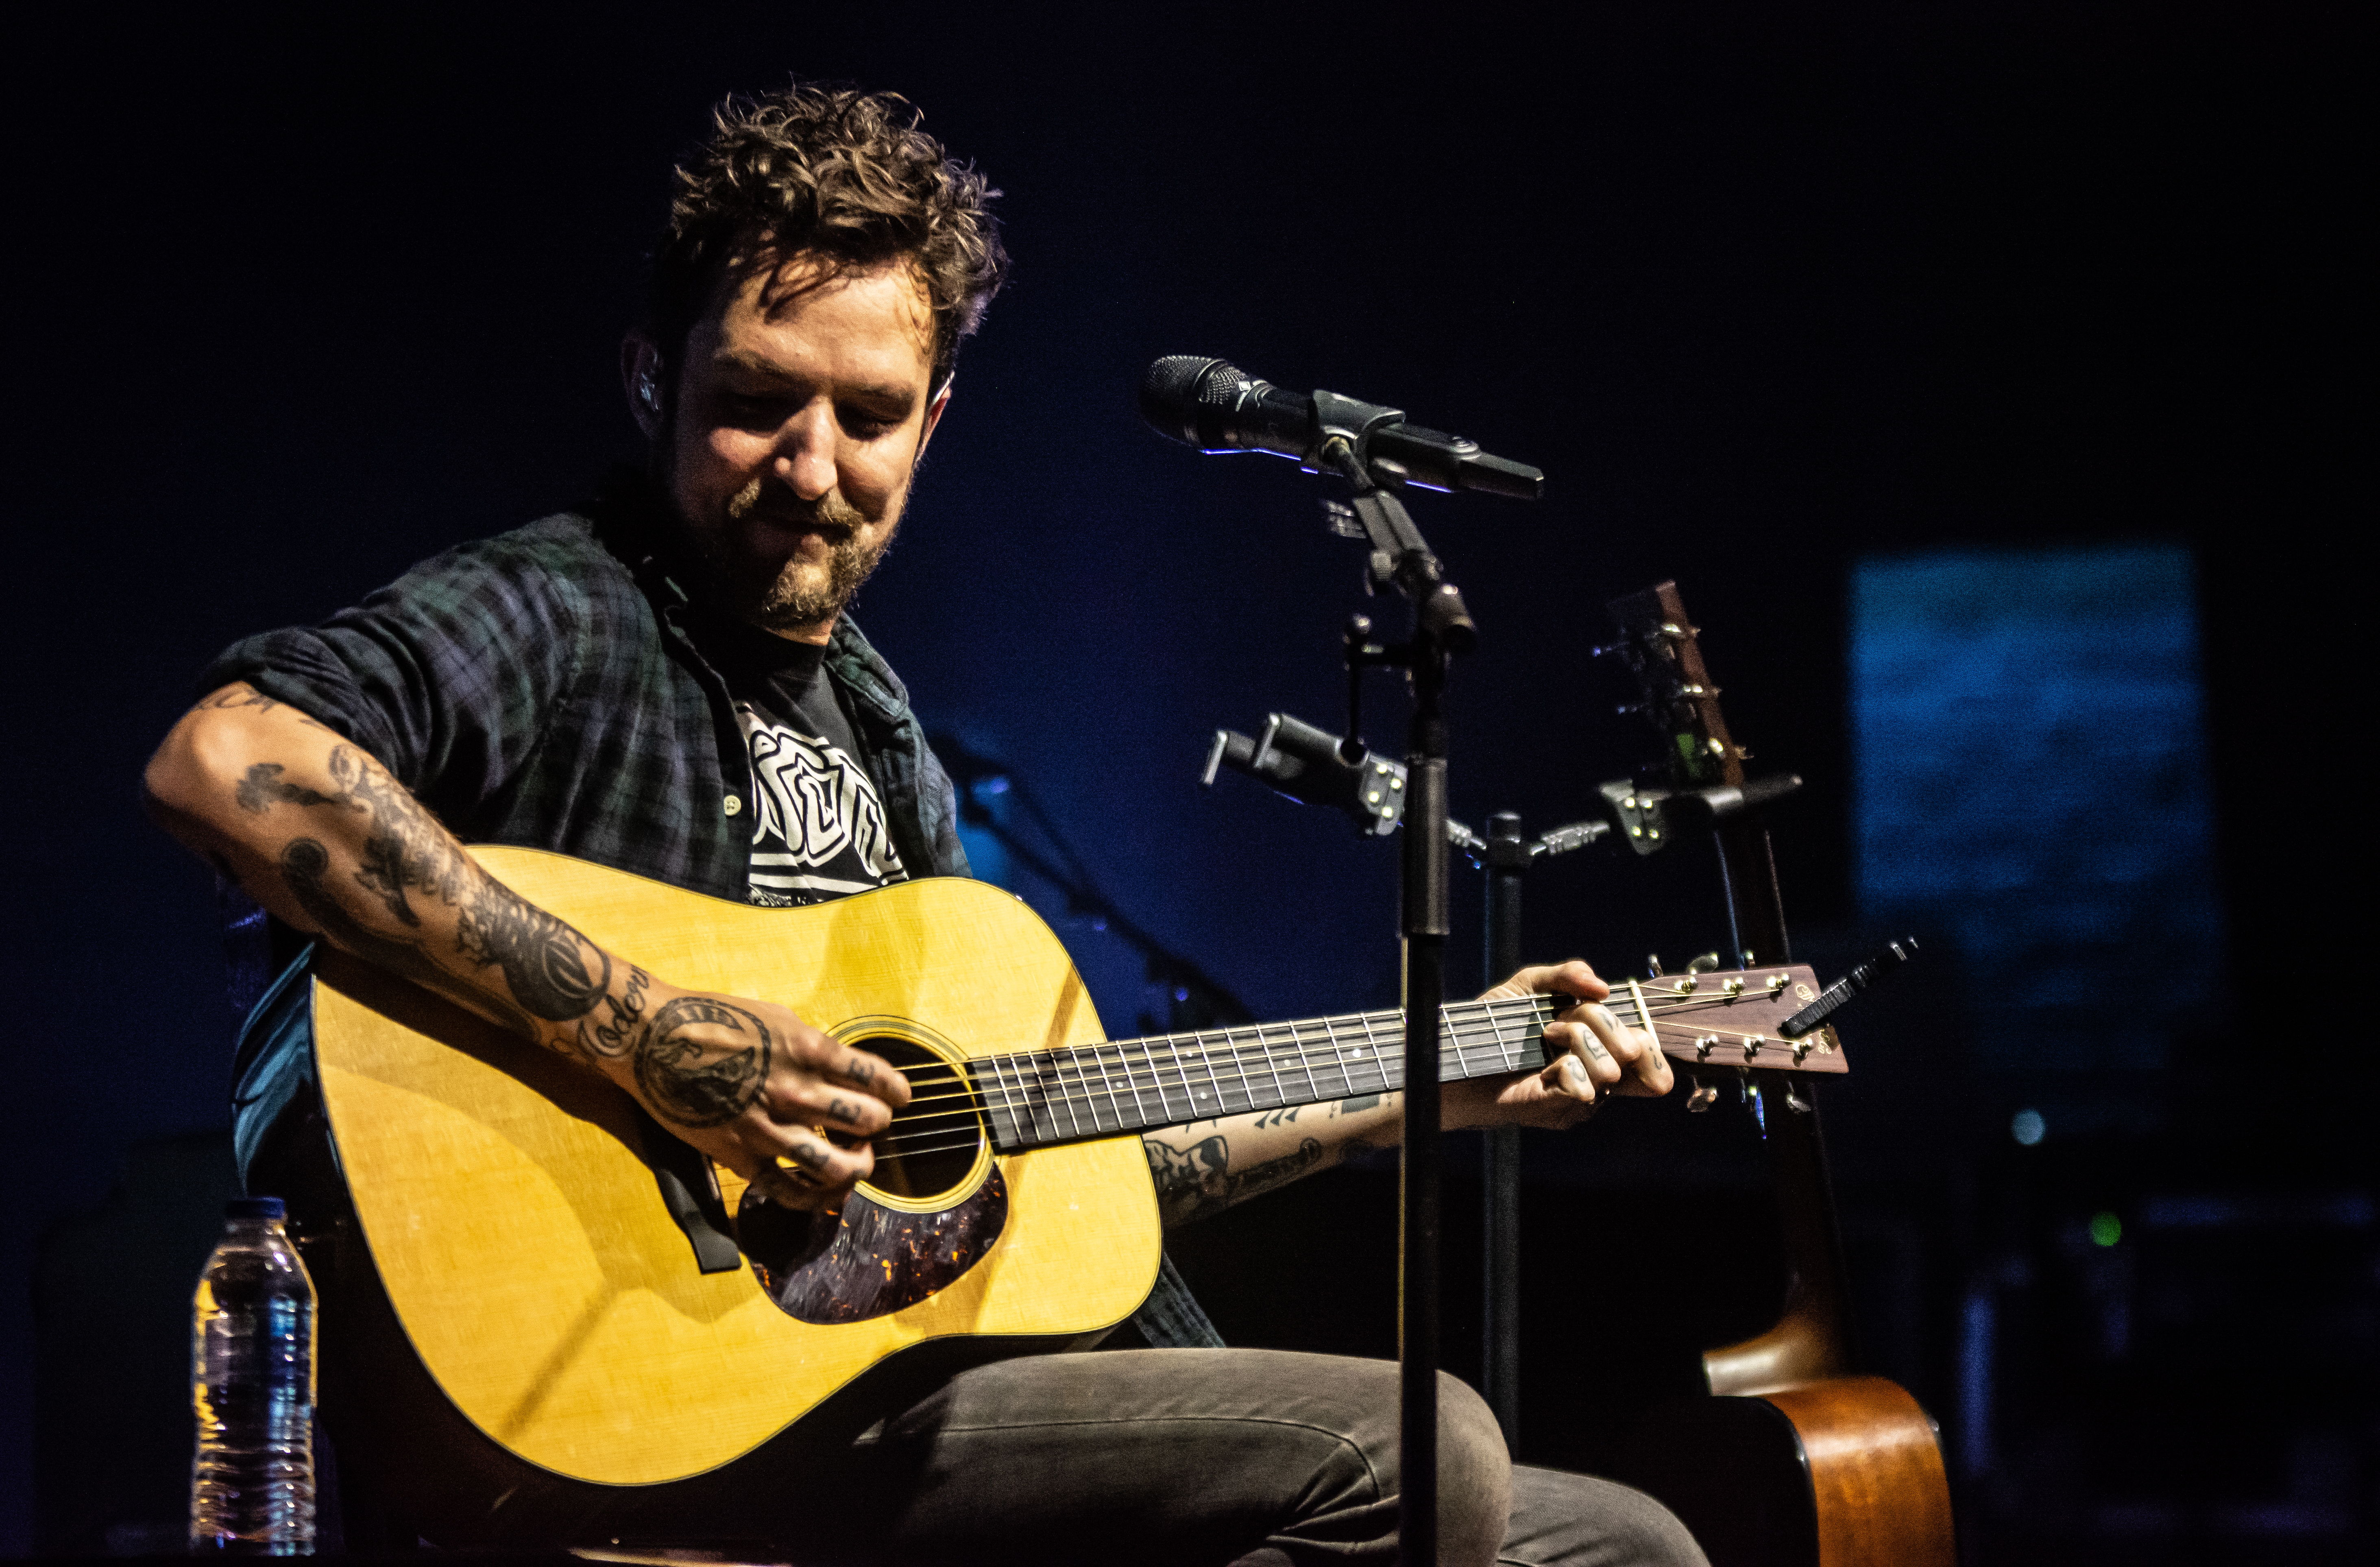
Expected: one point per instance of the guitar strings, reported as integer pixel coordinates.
(1477, 1052)
(908, 1144)
(1296, 1053)
(904, 1142)
(1493, 1053)
(1258, 1036)
(1090, 1058)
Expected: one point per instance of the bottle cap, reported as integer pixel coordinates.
(255, 1207)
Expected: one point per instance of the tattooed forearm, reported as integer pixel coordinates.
(610, 1029)
(1195, 1182)
(304, 868)
(552, 971)
(405, 847)
(263, 788)
(1183, 1173)
(684, 1086)
(1274, 1171)
(327, 838)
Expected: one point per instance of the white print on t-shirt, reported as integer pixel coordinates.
(819, 826)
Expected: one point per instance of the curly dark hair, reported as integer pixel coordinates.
(842, 174)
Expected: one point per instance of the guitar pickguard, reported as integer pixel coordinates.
(868, 1261)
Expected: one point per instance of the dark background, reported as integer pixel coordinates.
(300, 297)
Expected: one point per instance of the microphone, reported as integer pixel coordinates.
(1216, 408)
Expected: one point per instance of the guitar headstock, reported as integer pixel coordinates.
(1676, 693)
(1731, 1018)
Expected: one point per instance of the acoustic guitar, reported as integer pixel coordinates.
(1797, 1462)
(600, 1301)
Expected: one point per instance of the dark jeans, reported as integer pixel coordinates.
(1189, 1456)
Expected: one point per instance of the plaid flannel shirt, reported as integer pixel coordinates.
(540, 688)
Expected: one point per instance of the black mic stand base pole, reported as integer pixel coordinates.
(1442, 628)
(1499, 1317)
(1425, 933)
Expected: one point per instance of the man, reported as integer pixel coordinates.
(669, 684)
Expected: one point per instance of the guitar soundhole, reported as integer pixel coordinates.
(931, 1145)
(868, 1260)
(934, 1206)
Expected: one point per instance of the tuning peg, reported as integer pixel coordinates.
(1653, 966)
(1703, 1096)
(1703, 964)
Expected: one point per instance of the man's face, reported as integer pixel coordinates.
(802, 406)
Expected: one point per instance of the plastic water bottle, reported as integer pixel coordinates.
(252, 1381)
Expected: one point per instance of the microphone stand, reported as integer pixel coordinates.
(1499, 1316)
(1441, 628)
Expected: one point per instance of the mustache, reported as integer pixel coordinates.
(774, 503)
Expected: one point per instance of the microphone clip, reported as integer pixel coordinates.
(1399, 558)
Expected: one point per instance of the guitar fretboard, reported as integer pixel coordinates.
(1120, 1085)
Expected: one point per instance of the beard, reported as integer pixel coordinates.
(798, 595)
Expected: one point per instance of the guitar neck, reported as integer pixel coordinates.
(1122, 1085)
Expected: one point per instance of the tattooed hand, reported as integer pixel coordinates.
(787, 1106)
(1592, 1056)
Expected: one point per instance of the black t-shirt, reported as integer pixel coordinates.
(817, 823)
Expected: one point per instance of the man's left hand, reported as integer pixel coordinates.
(1597, 1057)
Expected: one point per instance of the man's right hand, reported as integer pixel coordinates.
(787, 1106)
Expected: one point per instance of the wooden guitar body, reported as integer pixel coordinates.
(509, 1204)
(1843, 1471)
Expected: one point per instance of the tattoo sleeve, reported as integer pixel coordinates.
(611, 1030)
(551, 972)
(1196, 1182)
(305, 868)
(263, 788)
